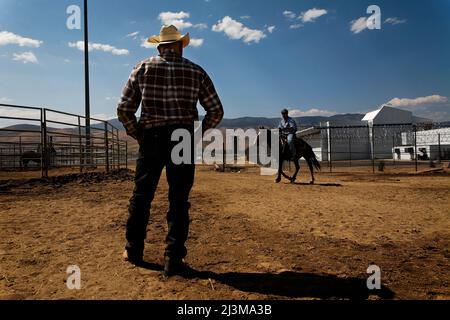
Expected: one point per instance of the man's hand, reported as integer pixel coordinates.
(138, 137)
(140, 140)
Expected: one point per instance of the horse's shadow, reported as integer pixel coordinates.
(290, 284)
(316, 184)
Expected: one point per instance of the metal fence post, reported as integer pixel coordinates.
(14, 156)
(224, 156)
(118, 149)
(330, 154)
(20, 152)
(42, 141)
(439, 148)
(80, 145)
(113, 141)
(415, 148)
(350, 149)
(106, 147)
(44, 162)
(373, 148)
(394, 154)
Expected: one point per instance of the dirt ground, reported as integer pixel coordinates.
(250, 238)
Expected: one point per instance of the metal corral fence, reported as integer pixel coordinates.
(378, 147)
(40, 138)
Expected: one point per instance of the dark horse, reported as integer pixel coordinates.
(304, 150)
(36, 157)
(30, 156)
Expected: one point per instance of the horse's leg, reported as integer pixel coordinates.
(311, 168)
(297, 169)
(280, 171)
(285, 175)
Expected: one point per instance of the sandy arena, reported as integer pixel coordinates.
(250, 238)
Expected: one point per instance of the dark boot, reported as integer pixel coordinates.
(176, 267)
(133, 258)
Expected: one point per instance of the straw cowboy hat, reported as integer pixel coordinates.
(170, 34)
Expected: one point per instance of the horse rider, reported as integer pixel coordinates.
(288, 128)
(168, 86)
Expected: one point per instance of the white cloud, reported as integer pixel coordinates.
(434, 107)
(271, 29)
(7, 38)
(99, 47)
(170, 16)
(197, 42)
(25, 57)
(133, 35)
(358, 25)
(201, 26)
(312, 14)
(245, 17)
(296, 26)
(176, 19)
(420, 101)
(297, 113)
(289, 14)
(237, 31)
(5, 100)
(394, 21)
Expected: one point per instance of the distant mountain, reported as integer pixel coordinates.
(30, 128)
(19, 127)
(255, 122)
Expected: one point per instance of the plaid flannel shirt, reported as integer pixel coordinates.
(169, 87)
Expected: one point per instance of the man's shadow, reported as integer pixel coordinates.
(290, 284)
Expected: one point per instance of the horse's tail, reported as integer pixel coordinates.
(311, 157)
(314, 161)
(309, 154)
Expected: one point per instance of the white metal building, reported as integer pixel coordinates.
(376, 135)
(431, 145)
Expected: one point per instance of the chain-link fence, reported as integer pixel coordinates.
(379, 147)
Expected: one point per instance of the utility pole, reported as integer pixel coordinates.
(86, 85)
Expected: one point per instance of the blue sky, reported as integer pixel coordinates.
(262, 55)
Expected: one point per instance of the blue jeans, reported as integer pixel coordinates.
(291, 143)
(155, 154)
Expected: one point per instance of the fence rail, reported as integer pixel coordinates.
(41, 138)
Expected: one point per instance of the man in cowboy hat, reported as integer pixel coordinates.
(168, 87)
(288, 128)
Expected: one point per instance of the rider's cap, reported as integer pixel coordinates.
(284, 111)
